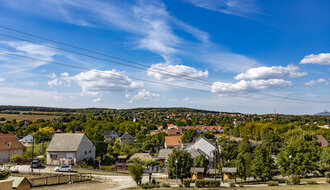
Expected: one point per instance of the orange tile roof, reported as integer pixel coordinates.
(6, 139)
(174, 131)
(173, 140)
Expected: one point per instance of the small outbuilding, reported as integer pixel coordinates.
(229, 173)
(197, 173)
(20, 183)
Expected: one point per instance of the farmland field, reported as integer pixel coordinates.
(28, 117)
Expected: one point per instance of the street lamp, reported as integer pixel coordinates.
(176, 168)
(290, 165)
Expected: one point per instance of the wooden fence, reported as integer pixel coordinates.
(60, 179)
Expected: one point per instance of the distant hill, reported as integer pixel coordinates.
(325, 113)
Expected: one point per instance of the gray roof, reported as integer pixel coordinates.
(163, 154)
(127, 135)
(229, 170)
(65, 142)
(196, 170)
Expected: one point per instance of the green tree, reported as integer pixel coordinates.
(179, 163)
(263, 164)
(244, 159)
(324, 162)
(304, 149)
(209, 135)
(228, 152)
(189, 135)
(201, 161)
(136, 172)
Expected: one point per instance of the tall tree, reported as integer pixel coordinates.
(263, 164)
(179, 163)
(244, 159)
(189, 135)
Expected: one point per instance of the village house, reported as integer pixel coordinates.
(174, 132)
(173, 142)
(121, 165)
(163, 155)
(205, 147)
(27, 139)
(126, 139)
(69, 148)
(9, 145)
(110, 134)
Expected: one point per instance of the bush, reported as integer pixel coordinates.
(272, 183)
(207, 183)
(16, 158)
(288, 182)
(312, 182)
(327, 174)
(231, 184)
(180, 185)
(295, 180)
(327, 180)
(166, 185)
(108, 159)
(149, 185)
(108, 168)
(4, 175)
(241, 185)
(89, 163)
(186, 182)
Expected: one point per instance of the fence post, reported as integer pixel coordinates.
(80, 177)
(70, 178)
(58, 179)
(46, 180)
(32, 182)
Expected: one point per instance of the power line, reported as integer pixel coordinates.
(113, 57)
(144, 80)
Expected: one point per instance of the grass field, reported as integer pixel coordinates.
(28, 117)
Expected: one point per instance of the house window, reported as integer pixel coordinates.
(69, 155)
(85, 152)
(90, 151)
(53, 155)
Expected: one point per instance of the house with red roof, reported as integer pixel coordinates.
(9, 145)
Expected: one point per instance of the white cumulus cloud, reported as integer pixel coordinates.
(96, 82)
(144, 95)
(245, 86)
(322, 59)
(168, 72)
(274, 72)
(2, 79)
(315, 82)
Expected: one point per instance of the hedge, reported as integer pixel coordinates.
(149, 185)
(207, 183)
(186, 182)
(312, 182)
(327, 174)
(166, 185)
(272, 183)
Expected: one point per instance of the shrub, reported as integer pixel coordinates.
(288, 182)
(327, 174)
(241, 185)
(16, 158)
(327, 180)
(295, 179)
(180, 185)
(108, 168)
(186, 182)
(272, 183)
(89, 163)
(4, 175)
(207, 183)
(166, 185)
(312, 182)
(136, 172)
(231, 184)
(149, 185)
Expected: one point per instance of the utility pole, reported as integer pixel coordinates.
(42, 148)
(32, 154)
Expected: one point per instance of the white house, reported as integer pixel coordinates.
(69, 148)
(27, 139)
(204, 146)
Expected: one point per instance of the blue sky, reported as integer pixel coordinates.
(240, 53)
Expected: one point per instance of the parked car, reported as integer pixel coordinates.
(35, 164)
(66, 168)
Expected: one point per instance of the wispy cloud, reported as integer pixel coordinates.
(242, 8)
(151, 27)
(315, 82)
